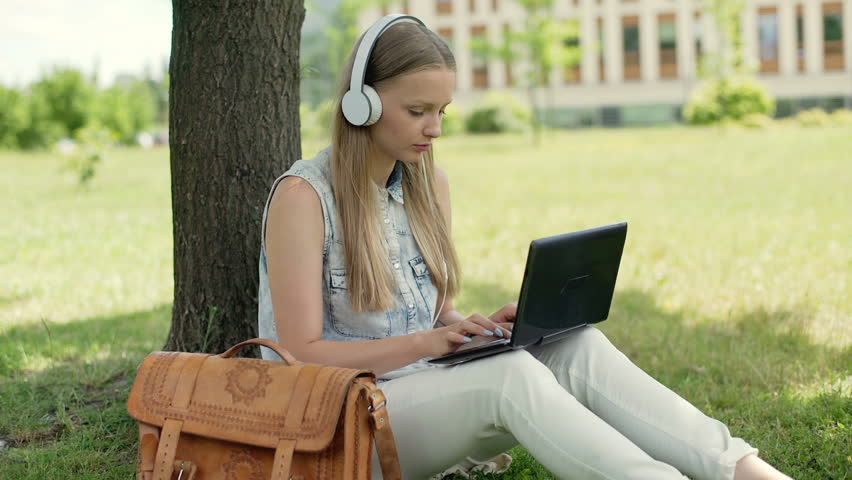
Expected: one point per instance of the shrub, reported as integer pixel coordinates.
(316, 123)
(453, 123)
(92, 141)
(13, 116)
(842, 117)
(815, 117)
(126, 109)
(40, 131)
(68, 98)
(728, 99)
(499, 112)
(756, 121)
(307, 122)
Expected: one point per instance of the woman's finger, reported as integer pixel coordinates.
(459, 338)
(482, 325)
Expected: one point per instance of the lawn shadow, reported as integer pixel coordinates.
(63, 390)
(758, 371)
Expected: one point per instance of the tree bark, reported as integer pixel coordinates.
(233, 128)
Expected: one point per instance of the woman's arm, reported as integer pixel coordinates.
(294, 241)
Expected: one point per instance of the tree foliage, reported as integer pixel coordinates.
(544, 44)
(729, 93)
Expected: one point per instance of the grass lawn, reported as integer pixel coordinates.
(734, 289)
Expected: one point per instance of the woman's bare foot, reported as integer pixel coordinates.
(751, 467)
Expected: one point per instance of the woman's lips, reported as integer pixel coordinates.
(422, 147)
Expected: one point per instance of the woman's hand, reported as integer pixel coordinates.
(506, 315)
(445, 340)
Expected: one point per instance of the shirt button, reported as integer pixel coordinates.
(396, 265)
(410, 305)
(387, 220)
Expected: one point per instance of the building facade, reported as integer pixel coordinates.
(640, 58)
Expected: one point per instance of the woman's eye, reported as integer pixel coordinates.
(442, 113)
(415, 113)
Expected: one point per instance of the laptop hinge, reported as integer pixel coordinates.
(545, 339)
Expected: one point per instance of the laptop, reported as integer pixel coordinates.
(568, 283)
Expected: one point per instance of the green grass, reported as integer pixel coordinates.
(734, 289)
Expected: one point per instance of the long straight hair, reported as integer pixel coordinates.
(403, 48)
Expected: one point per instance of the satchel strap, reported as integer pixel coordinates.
(385, 443)
(284, 354)
(166, 450)
(283, 459)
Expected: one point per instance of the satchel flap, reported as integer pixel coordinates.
(242, 400)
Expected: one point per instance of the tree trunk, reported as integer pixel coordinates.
(233, 127)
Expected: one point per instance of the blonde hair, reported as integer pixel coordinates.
(403, 48)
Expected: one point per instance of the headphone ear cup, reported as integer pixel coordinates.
(375, 105)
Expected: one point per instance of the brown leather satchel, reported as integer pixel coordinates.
(205, 417)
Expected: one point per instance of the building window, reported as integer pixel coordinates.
(832, 35)
(767, 34)
(601, 62)
(800, 39)
(571, 73)
(668, 45)
(510, 80)
(446, 34)
(495, 5)
(444, 7)
(480, 60)
(630, 30)
(471, 5)
(698, 33)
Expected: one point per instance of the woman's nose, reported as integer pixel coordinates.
(433, 128)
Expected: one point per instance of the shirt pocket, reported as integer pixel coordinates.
(346, 321)
(425, 285)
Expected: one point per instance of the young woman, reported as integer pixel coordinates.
(357, 257)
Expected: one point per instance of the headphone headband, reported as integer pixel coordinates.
(361, 104)
(365, 49)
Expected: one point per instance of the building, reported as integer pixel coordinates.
(640, 57)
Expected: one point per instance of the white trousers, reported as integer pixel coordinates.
(578, 405)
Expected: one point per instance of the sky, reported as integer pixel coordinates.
(119, 36)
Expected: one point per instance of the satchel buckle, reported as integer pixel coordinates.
(373, 405)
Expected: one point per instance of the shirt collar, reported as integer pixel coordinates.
(395, 182)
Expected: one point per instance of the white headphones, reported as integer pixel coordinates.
(361, 104)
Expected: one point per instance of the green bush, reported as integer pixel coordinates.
(729, 99)
(756, 121)
(92, 141)
(126, 109)
(499, 112)
(842, 116)
(316, 124)
(815, 117)
(40, 131)
(13, 116)
(453, 122)
(68, 97)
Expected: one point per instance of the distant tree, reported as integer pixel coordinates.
(233, 127)
(730, 91)
(67, 97)
(544, 43)
(127, 108)
(730, 57)
(13, 116)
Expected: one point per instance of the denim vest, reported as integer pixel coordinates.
(416, 294)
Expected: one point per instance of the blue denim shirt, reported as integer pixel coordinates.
(416, 294)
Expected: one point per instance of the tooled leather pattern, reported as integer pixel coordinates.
(154, 401)
(242, 372)
(243, 465)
